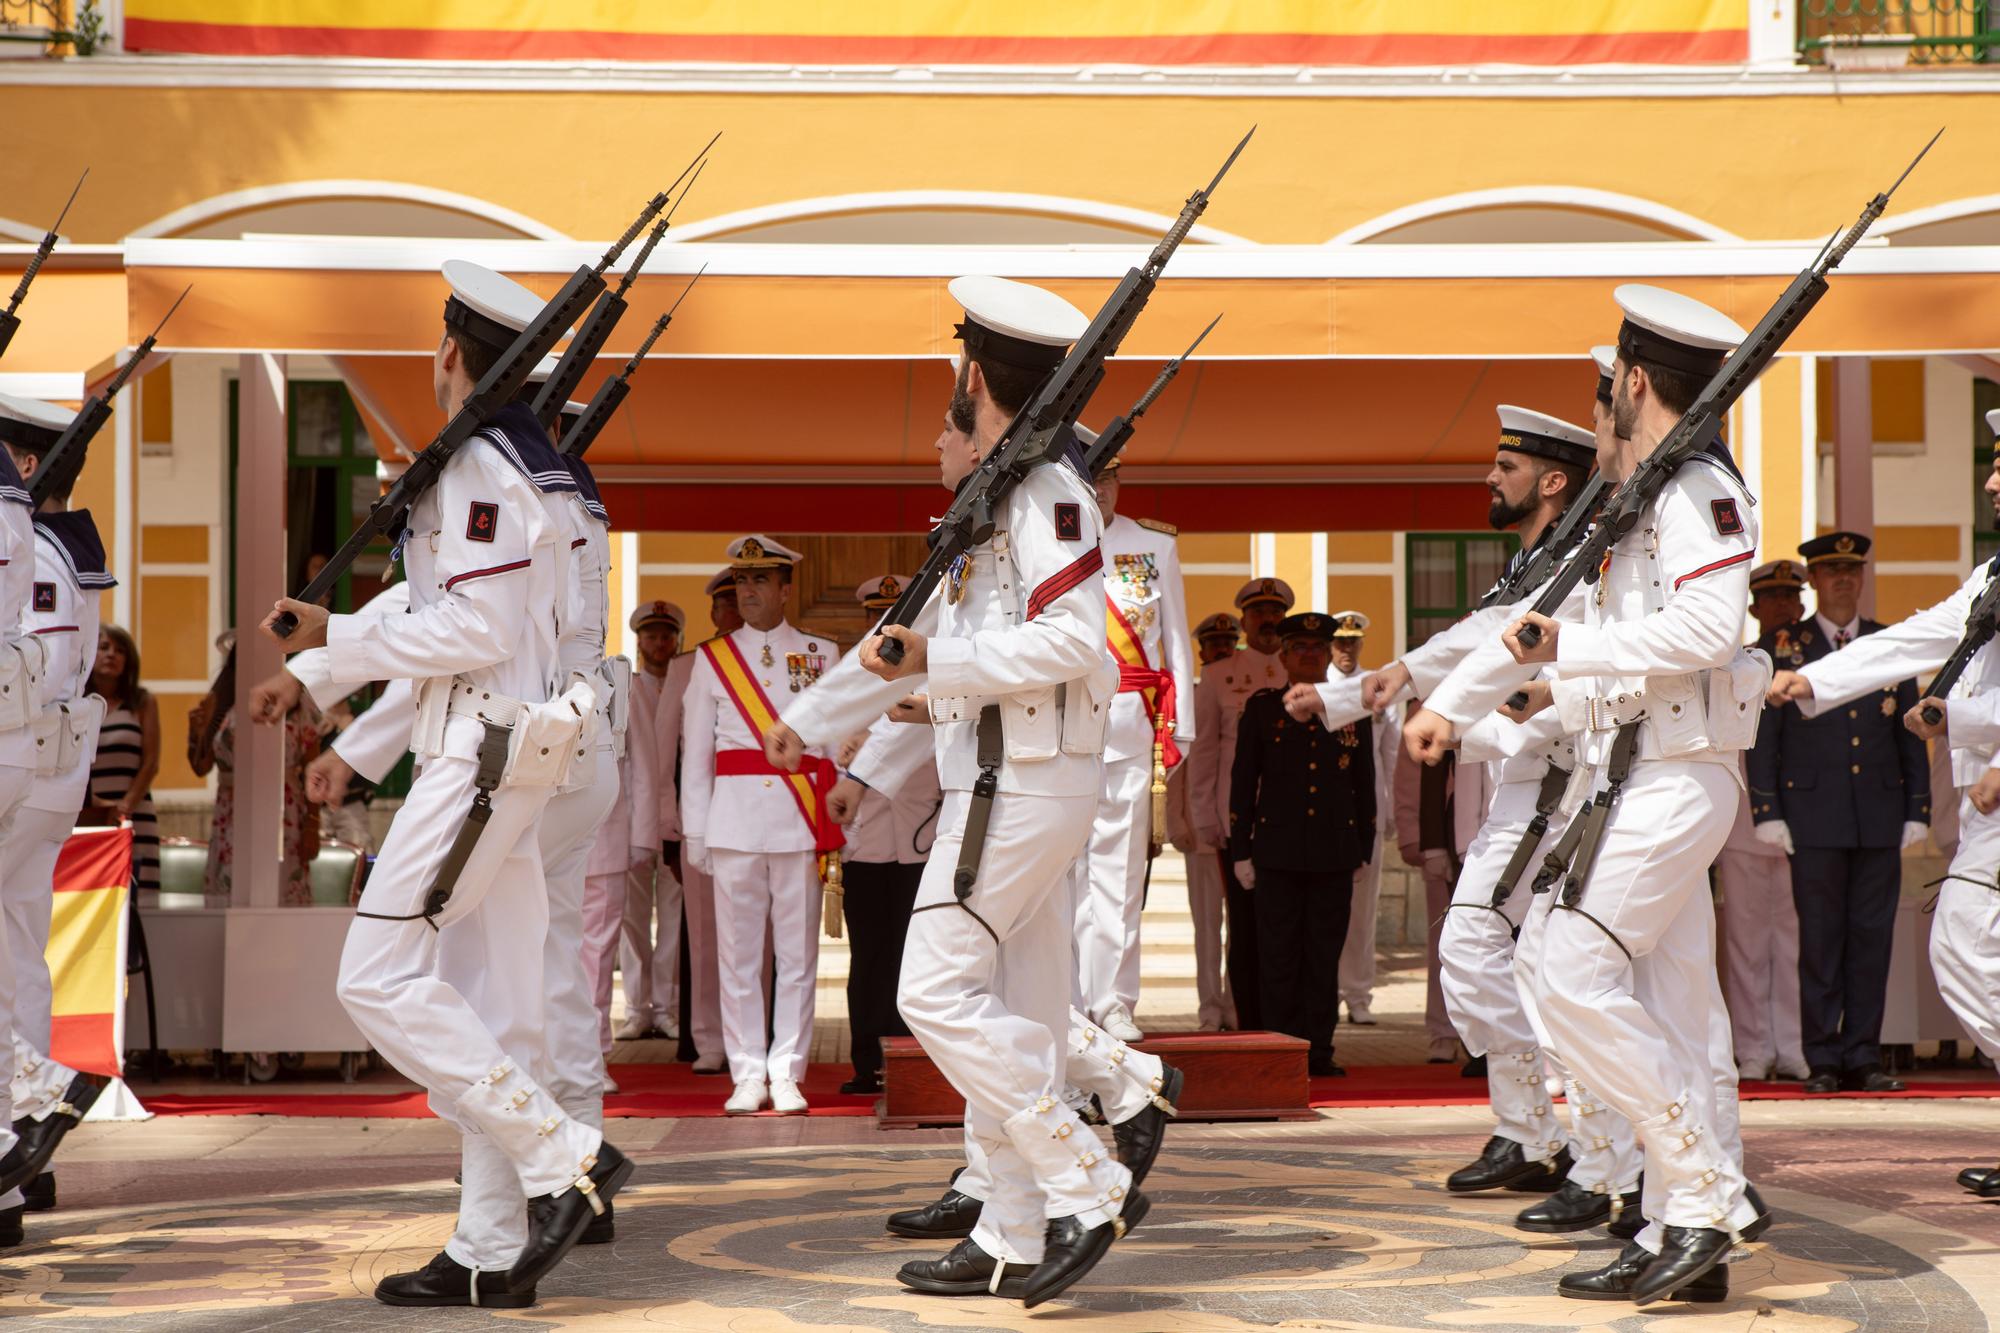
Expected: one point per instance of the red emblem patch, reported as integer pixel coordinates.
(1069, 523)
(1727, 521)
(45, 596)
(482, 522)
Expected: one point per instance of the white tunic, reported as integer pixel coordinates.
(744, 812)
(1142, 578)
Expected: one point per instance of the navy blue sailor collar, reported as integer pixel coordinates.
(520, 439)
(75, 536)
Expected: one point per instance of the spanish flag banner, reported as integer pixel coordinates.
(87, 934)
(950, 32)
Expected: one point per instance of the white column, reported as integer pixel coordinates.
(125, 509)
(1321, 575)
(261, 468)
(1774, 33)
(1854, 457)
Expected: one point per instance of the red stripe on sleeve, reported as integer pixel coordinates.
(469, 574)
(1085, 565)
(1736, 559)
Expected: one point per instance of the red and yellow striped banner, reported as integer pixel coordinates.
(919, 32)
(86, 953)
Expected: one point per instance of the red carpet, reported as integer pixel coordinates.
(1441, 1085)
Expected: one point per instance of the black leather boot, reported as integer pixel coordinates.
(556, 1221)
(38, 1138)
(1553, 1173)
(11, 1231)
(1615, 1280)
(1070, 1249)
(1762, 1222)
(1571, 1208)
(1138, 1140)
(39, 1194)
(445, 1281)
(1686, 1253)
(1973, 1177)
(600, 1230)
(1501, 1163)
(949, 1218)
(966, 1271)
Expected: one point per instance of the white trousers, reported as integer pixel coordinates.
(756, 893)
(651, 960)
(603, 924)
(1215, 1008)
(705, 1007)
(1762, 943)
(32, 840)
(1627, 987)
(1965, 933)
(459, 1009)
(1114, 888)
(987, 996)
(1357, 952)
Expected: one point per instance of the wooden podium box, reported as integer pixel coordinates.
(1230, 1076)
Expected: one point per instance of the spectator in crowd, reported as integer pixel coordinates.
(1302, 821)
(348, 821)
(128, 751)
(1215, 641)
(1426, 837)
(1357, 955)
(301, 819)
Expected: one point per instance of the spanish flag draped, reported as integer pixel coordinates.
(86, 954)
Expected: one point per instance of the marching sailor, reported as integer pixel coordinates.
(1150, 722)
(444, 966)
(49, 1098)
(758, 831)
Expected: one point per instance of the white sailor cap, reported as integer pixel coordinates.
(1672, 330)
(547, 367)
(1606, 357)
(757, 551)
(879, 594)
(1265, 590)
(1349, 624)
(1015, 323)
(487, 307)
(31, 424)
(1219, 625)
(723, 581)
(658, 612)
(1993, 421)
(1523, 431)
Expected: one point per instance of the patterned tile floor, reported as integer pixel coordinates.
(767, 1226)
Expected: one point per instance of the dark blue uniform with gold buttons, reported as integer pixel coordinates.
(1845, 783)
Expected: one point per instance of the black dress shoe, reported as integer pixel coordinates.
(445, 1281)
(1473, 1068)
(861, 1085)
(39, 1194)
(11, 1231)
(556, 1221)
(1326, 1068)
(1553, 1173)
(1990, 1187)
(1070, 1249)
(966, 1271)
(1138, 1140)
(601, 1229)
(1631, 1220)
(1871, 1080)
(1571, 1208)
(38, 1138)
(1973, 1177)
(1615, 1280)
(1823, 1080)
(1686, 1253)
(1762, 1222)
(951, 1217)
(1500, 1164)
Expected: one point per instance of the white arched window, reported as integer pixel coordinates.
(940, 217)
(1532, 214)
(347, 208)
(1973, 221)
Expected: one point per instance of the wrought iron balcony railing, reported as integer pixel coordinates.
(1887, 34)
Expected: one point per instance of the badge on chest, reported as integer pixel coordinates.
(1137, 573)
(804, 668)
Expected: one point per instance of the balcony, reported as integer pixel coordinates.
(1892, 34)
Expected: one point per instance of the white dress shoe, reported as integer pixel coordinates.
(748, 1099)
(1118, 1022)
(610, 1085)
(711, 1064)
(636, 1025)
(672, 1027)
(1360, 1015)
(786, 1099)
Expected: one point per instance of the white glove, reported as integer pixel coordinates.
(695, 852)
(1775, 833)
(1246, 874)
(1914, 833)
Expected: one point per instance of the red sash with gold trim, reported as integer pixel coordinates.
(810, 785)
(1138, 675)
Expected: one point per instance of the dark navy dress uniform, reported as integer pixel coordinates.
(1845, 783)
(1302, 811)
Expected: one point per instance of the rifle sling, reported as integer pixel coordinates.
(1547, 797)
(978, 811)
(492, 765)
(1594, 821)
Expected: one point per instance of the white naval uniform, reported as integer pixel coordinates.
(1965, 933)
(1225, 687)
(63, 615)
(1357, 953)
(650, 949)
(19, 656)
(987, 995)
(1761, 951)
(1628, 986)
(627, 848)
(460, 1009)
(760, 852)
(1142, 579)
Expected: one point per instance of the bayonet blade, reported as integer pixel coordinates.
(685, 290)
(1913, 164)
(1167, 373)
(78, 189)
(1233, 155)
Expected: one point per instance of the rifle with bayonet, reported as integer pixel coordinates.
(496, 388)
(1038, 431)
(59, 468)
(590, 338)
(9, 321)
(1980, 623)
(1701, 424)
(1559, 543)
(578, 437)
(1111, 441)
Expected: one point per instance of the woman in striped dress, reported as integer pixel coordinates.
(128, 749)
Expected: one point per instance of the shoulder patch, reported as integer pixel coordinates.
(1069, 522)
(1727, 521)
(1157, 525)
(483, 522)
(45, 597)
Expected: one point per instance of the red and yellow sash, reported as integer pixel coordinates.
(816, 777)
(1137, 674)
